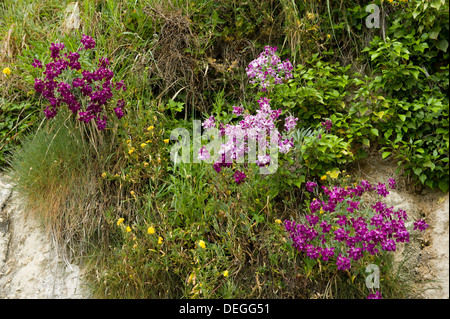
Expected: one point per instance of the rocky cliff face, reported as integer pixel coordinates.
(30, 266)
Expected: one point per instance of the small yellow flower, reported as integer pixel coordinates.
(277, 221)
(128, 229)
(324, 177)
(145, 164)
(160, 240)
(321, 211)
(104, 175)
(151, 230)
(132, 193)
(7, 71)
(151, 127)
(120, 221)
(334, 174)
(131, 150)
(143, 145)
(225, 273)
(201, 244)
(166, 141)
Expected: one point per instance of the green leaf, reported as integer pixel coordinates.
(386, 154)
(420, 47)
(430, 165)
(366, 142)
(422, 178)
(441, 131)
(374, 131)
(417, 170)
(443, 186)
(442, 45)
(402, 117)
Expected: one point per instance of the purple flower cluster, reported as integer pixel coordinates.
(327, 125)
(376, 295)
(239, 177)
(347, 228)
(255, 129)
(86, 96)
(268, 69)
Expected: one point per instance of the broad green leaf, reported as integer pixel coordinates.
(422, 178)
(402, 117)
(366, 142)
(442, 45)
(420, 47)
(386, 154)
(374, 131)
(443, 185)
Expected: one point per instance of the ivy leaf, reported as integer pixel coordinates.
(422, 178)
(420, 47)
(443, 185)
(442, 45)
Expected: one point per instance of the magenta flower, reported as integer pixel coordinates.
(376, 295)
(203, 154)
(310, 186)
(239, 177)
(238, 110)
(88, 42)
(343, 263)
(381, 190)
(209, 123)
(37, 64)
(392, 183)
(327, 125)
(420, 224)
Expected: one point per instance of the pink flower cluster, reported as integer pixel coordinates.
(268, 69)
(94, 88)
(255, 128)
(346, 232)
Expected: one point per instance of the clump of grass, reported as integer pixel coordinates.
(57, 173)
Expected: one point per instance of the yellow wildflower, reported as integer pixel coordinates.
(151, 127)
(132, 193)
(160, 240)
(145, 164)
(143, 145)
(201, 244)
(120, 221)
(7, 71)
(225, 273)
(128, 229)
(131, 150)
(277, 221)
(334, 174)
(151, 230)
(104, 175)
(324, 177)
(166, 141)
